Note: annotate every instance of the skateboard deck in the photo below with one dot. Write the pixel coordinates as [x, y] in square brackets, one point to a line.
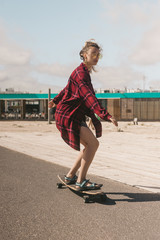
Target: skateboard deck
[87, 195]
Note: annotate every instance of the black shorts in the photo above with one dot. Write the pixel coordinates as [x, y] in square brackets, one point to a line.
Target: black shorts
[83, 124]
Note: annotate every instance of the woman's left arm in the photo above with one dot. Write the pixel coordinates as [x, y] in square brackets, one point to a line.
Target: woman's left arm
[91, 101]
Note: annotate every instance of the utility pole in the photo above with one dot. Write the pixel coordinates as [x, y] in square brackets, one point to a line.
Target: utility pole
[49, 99]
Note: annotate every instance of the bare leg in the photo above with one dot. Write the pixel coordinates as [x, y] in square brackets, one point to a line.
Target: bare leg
[76, 166]
[86, 156]
[91, 145]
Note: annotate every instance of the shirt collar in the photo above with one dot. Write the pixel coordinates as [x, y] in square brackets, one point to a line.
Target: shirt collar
[85, 67]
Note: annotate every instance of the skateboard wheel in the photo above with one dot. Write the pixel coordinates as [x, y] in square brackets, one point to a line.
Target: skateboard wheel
[59, 185]
[86, 199]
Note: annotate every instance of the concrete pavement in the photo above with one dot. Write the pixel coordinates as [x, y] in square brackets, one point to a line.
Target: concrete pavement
[131, 157]
[31, 207]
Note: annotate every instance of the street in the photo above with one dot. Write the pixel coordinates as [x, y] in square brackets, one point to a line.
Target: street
[31, 206]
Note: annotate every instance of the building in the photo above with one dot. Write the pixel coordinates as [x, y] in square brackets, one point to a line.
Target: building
[124, 106]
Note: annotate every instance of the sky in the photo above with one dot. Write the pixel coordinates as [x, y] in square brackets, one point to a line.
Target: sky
[40, 41]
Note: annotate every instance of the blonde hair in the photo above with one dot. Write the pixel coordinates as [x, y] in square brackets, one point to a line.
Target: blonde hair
[88, 44]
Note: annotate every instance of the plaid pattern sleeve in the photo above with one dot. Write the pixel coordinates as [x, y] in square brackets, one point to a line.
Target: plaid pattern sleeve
[87, 94]
[59, 97]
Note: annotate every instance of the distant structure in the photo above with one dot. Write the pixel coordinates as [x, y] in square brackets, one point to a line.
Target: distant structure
[124, 105]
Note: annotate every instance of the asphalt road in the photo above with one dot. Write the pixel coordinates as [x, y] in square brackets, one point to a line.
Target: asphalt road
[31, 206]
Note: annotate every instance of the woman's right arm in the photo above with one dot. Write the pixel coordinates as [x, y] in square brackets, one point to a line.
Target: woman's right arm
[56, 99]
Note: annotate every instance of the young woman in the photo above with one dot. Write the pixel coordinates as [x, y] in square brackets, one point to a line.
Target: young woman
[73, 103]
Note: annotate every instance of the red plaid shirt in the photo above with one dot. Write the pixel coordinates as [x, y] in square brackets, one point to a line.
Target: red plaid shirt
[75, 101]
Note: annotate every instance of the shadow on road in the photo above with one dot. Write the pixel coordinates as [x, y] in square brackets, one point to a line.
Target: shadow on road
[123, 197]
[135, 197]
[129, 197]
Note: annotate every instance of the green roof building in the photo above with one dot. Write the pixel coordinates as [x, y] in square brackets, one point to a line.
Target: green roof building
[124, 106]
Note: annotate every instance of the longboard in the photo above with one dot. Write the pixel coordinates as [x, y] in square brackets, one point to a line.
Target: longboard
[88, 196]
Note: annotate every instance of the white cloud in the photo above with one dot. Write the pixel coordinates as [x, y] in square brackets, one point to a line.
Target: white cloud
[10, 52]
[129, 12]
[106, 77]
[20, 79]
[139, 24]
[147, 52]
[16, 68]
[14, 55]
[117, 77]
[3, 75]
[56, 69]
